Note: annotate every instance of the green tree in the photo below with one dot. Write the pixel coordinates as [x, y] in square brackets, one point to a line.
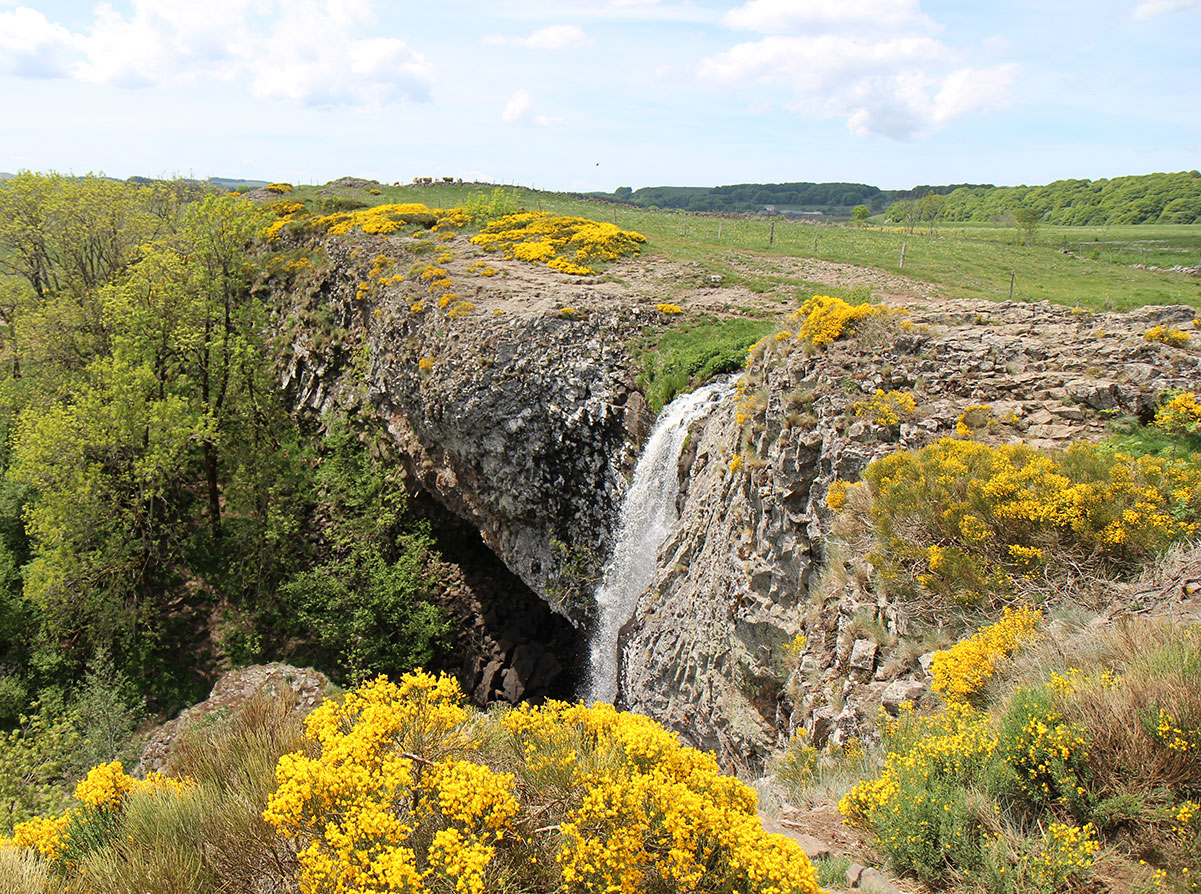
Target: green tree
[907, 212]
[186, 310]
[930, 209]
[109, 470]
[369, 600]
[116, 457]
[861, 213]
[64, 238]
[1028, 220]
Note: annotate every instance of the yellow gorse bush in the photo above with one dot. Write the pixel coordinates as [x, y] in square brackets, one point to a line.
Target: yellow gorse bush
[1051, 754]
[451, 219]
[563, 243]
[1177, 338]
[887, 408]
[1066, 852]
[973, 417]
[970, 513]
[952, 745]
[836, 497]
[377, 221]
[369, 806]
[963, 670]
[105, 789]
[41, 834]
[1180, 414]
[104, 786]
[403, 791]
[1176, 735]
[483, 268]
[650, 814]
[824, 318]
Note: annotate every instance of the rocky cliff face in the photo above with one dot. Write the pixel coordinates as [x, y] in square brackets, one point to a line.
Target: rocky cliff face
[520, 423]
[707, 651]
[523, 419]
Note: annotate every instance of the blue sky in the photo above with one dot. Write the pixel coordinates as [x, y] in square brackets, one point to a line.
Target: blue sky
[566, 94]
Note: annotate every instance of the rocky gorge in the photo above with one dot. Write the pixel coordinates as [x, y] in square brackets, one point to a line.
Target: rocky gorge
[524, 420]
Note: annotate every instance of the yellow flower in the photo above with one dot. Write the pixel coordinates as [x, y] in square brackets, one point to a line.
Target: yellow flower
[104, 786]
[887, 408]
[961, 671]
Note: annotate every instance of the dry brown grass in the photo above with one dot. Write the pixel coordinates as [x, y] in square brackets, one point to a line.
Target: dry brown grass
[233, 763]
[21, 872]
[1120, 676]
[1160, 665]
[158, 848]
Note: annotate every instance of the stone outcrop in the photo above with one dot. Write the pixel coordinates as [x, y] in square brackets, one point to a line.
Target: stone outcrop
[520, 424]
[300, 689]
[523, 419]
[707, 651]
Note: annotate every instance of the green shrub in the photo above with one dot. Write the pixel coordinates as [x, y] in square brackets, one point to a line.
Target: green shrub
[832, 871]
[929, 828]
[334, 204]
[485, 207]
[369, 601]
[1046, 755]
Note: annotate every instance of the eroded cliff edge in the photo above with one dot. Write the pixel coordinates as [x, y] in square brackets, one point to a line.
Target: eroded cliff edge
[520, 420]
[523, 418]
[708, 650]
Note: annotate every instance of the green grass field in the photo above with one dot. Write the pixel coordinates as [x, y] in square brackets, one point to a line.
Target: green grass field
[1094, 272]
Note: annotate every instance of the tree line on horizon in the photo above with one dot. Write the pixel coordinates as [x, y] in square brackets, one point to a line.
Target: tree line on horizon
[1166, 198]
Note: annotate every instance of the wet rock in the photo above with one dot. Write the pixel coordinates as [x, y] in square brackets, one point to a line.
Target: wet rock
[522, 428]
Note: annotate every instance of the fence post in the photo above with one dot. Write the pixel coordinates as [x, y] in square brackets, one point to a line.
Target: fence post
[901, 266]
[771, 239]
[1011, 278]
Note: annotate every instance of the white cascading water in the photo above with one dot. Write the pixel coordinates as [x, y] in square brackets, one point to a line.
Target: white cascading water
[647, 517]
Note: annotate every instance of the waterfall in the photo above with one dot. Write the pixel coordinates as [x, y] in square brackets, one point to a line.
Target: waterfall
[647, 517]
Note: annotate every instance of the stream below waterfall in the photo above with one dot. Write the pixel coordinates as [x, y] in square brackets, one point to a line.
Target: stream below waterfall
[648, 515]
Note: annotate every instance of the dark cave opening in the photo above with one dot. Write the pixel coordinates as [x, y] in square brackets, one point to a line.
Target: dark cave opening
[505, 645]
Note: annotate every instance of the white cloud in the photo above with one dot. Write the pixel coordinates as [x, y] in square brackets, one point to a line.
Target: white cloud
[519, 106]
[520, 110]
[32, 46]
[557, 37]
[552, 37]
[310, 52]
[615, 10]
[1149, 9]
[875, 63]
[803, 16]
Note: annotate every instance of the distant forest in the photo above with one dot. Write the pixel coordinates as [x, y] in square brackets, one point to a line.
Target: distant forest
[831, 198]
[1148, 198]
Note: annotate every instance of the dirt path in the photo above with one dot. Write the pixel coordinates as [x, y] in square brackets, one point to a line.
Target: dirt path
[529, 289]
